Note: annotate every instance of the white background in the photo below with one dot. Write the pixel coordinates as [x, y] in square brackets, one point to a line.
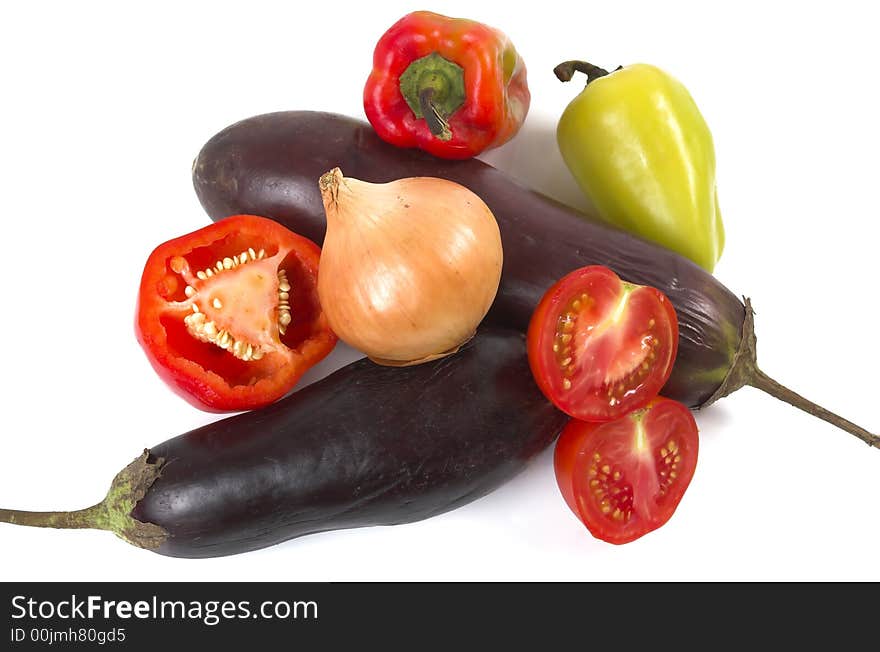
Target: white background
[105, 106]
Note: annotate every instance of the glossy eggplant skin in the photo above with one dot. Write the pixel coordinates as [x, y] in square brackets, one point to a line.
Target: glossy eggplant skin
[367, 445]
[270, 164]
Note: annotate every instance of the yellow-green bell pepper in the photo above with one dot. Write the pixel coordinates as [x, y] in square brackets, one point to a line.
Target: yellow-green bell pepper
[639, 148]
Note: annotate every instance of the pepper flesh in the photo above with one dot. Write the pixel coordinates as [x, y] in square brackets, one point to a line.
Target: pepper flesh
[450, 86]
[639, 148]
[229, 316]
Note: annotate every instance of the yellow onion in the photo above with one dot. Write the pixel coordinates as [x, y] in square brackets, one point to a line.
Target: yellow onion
[408, 268]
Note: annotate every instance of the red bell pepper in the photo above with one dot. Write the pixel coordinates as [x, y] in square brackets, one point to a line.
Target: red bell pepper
[450, 86]
[228, 315]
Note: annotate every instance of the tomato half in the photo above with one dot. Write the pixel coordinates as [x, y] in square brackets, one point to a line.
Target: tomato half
[229, 315]
[625, 478]
[600, 347]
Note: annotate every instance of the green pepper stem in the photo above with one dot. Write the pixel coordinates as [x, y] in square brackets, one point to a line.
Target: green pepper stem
[565, 71]
[436, 121]
[744, 371]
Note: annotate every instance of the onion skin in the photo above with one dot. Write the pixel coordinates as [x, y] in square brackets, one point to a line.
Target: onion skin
[408, 268]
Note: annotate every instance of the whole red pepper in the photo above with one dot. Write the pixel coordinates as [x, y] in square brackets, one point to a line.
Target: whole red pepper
[450, 86]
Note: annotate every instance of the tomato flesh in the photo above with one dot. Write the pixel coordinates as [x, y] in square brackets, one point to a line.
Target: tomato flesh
[599, 347]
[229, 315]
[625, 478]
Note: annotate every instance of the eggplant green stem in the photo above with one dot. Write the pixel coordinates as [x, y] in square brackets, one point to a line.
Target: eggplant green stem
[89, 518]
[744, 371]
[113, 513]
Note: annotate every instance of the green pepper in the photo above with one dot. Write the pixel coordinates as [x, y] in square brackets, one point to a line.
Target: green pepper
[640, 150]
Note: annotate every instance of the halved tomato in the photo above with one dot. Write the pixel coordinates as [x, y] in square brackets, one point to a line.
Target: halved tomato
[229, 315]
[600, 347]
[625, 478]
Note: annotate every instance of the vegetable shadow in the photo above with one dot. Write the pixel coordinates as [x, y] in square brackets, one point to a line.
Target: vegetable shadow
[532, 158]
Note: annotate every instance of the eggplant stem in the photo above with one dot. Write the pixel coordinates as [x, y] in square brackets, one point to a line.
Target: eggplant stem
[113, 513]
[762, 381]
[80, 519]
[745, 371]
[436, 122]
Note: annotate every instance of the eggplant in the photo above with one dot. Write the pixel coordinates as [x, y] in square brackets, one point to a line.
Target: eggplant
[366, 445]
[270, 164]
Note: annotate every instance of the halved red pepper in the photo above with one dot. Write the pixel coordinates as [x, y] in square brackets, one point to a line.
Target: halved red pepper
[450, 86]
[228, 315]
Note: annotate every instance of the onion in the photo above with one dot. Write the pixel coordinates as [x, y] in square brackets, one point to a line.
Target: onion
[408, 268]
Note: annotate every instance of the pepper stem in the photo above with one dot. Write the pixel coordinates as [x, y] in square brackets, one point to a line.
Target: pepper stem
[112, 514]
[745, 371]
[565, 71]
[436, 121]
[433, 88]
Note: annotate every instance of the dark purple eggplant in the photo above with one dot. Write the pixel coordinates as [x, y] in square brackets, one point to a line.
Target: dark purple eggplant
[367, 445]
[269, 165]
